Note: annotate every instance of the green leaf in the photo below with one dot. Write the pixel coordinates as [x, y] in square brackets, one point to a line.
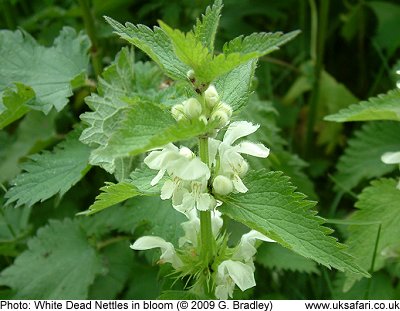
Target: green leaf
[388, 15]
[112, 194]
[190, 50]
[51, 72]
[34, 132]
[382, 107]
[235, 87]
[59, 264]
[49, 173]
[273, 256]
[378, 203]
[138, 132]
[141, 178]
[206, 28]
[155, 43]
[180, 295]
[157, 217]
[273, 208]
[14, 226]
[362, 158]
[15, 103]
[117, 259]
[123, 84]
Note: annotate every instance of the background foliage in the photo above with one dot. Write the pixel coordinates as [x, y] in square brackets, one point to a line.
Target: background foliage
[350, 55]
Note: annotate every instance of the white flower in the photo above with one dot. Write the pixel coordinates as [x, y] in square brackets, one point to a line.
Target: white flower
[198, 197]
[168, 253]
[192, 108]
[232, 164]
[392, 158]
[192, 227]
[232, 272]
[181, 163]
[398, 82]
[246, 249]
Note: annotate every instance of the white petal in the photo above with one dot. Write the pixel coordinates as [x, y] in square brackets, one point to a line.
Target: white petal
[256, 150]
[157, 159]
[391, 157]
[241, 274]
[216, 222]
[223, 291]
[149, 242]
[191, 229]
[158, 177]
[188, 203]
[246, 248]
[398, 84]
[204, 202]
[167, 190]
[239, 185]
[167, 249]
[213, 145]
[237, 130]
[188, 169]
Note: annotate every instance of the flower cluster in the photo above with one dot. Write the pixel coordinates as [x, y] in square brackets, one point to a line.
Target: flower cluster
[197, 184]
[188, 177]
[238, 270]
[207, 108]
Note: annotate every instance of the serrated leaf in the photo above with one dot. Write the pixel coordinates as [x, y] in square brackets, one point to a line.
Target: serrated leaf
[206, 28]
[155, 43]
[236, 52]
[158, 217]
[139, 133]
[382, 107]
[378, 203]
[273, 208]
[123, 84]
[59, 264]
[274, 256]
[142, 177]
[235, 87]
[362, 158]
[49, 173]
[34, 132]
[49, 71]
[112, 194]
[15, 103]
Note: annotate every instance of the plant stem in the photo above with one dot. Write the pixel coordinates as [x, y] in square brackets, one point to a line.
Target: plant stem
[95, 51]
[206, 236]
[318, 29]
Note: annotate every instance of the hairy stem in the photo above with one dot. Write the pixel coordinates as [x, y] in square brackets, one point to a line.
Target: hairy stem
[91, 31]
[206, 236]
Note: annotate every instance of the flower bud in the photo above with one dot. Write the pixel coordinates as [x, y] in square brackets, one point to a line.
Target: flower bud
[177, 112]
[225, 108]
[221, 117]
[211, 96]
[192, 108]
[222, 185]
[190, 75]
